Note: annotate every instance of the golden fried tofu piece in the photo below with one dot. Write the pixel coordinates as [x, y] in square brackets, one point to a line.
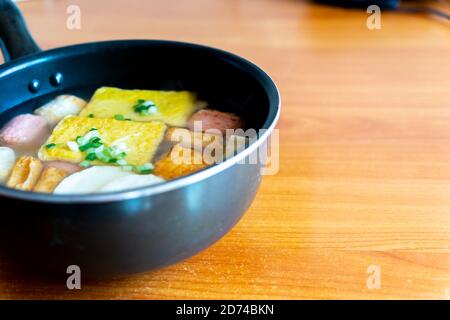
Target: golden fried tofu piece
[172, 107]
[140, 138]
[194, 140]
[25, 173]
[179, 162]
[49, 180]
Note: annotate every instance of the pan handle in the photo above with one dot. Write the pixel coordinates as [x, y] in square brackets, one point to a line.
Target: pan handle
[15, 39]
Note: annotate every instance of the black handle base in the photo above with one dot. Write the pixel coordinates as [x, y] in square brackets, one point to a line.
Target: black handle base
[15, 39]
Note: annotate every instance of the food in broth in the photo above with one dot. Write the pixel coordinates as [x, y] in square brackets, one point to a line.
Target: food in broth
[119, 140]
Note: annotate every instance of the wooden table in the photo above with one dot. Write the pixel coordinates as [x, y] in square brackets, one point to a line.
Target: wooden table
[364, 174]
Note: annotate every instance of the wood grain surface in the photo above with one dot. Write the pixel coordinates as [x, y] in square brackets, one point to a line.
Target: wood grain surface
[364, 159]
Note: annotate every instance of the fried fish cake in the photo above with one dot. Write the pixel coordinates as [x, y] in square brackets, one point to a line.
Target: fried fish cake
[60, 107]
[49, 180]
[25, 173]
[179, 162]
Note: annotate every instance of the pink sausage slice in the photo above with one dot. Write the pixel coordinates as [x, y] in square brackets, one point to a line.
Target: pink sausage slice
[213, 119]
[25, 131]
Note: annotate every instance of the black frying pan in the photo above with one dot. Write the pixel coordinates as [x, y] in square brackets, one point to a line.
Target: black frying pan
[137, 230]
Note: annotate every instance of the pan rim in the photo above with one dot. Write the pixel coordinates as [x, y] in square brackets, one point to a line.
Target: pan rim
[256, 72]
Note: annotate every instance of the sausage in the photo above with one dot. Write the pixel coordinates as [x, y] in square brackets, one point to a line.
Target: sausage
[179, 162]
[214, 119]
[24, 132]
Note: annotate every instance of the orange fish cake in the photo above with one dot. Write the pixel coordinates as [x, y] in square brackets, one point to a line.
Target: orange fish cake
[179, 162]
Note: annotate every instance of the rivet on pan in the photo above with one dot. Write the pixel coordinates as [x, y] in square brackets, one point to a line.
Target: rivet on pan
[56, 79]
[34, 86]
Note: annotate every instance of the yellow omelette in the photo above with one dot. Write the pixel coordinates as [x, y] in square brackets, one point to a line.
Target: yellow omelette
[171, 107]
[140, 138]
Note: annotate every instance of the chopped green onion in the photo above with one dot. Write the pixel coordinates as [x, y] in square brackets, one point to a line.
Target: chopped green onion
[145, 169]
[99, 149]
[86, 146]
[91, 157]
[145, 107]
[108, 152]
[119, 117]
[97, 142]
[73, 146]
[91, 134]
[94, 142]
[92, 146]
[50, 145]
[101, 156]
[151, 110]
[85, 163]
[91, 115]
[81, 140]
[121, 155]
[122, 162]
